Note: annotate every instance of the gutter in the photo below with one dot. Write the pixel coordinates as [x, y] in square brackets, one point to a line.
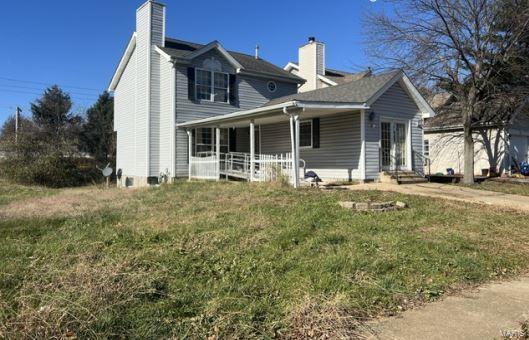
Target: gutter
[240, 115]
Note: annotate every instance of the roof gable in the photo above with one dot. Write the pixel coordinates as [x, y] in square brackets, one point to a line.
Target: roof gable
[131, 46]
[359, 91]
[364, 91]
[217, 46]
[183, 50]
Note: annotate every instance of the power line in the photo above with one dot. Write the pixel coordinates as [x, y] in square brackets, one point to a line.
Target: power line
[40, 94]
[48, 84]
[41, 89]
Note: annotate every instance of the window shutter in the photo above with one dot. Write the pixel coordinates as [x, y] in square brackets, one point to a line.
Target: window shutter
[316, 133]
[233, 140]
[191, 83]
[233, 89]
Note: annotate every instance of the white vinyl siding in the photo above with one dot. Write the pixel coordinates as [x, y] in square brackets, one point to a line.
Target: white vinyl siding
[143, 60]
[166, 120]
[124, 118]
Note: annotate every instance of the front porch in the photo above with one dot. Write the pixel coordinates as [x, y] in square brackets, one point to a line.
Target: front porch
[238, 165]
[279, 142]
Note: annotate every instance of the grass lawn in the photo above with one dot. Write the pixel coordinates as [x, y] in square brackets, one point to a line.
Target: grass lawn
[503, 187]
[11, 192]
[232, 260]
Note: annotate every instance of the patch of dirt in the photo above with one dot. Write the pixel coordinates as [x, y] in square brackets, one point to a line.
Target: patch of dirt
[325, 319]
[70, 202]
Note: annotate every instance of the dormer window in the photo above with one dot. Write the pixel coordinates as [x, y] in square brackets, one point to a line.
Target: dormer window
[212, 86]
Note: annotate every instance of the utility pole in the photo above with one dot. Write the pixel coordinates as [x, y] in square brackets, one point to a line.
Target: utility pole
[17, 119]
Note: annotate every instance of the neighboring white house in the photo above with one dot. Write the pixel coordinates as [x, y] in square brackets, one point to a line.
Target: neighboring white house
[443, 139]
[185, 109]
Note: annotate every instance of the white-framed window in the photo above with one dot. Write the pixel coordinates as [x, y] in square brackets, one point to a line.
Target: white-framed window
[305, 134]
[426, 148]
[212, 86]
[205, 140]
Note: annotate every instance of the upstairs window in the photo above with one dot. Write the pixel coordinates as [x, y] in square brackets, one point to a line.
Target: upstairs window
[203, 85]
[212, 86]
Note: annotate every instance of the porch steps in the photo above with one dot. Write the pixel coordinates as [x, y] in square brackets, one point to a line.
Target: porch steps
[404, 177]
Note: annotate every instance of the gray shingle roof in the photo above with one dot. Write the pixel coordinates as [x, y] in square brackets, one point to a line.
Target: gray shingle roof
[357, 91]
[181, 49]
[341, 77]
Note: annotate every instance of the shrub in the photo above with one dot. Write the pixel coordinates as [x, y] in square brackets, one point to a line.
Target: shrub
[32, 163]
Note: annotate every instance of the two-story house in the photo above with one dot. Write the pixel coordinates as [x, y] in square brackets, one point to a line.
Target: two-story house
[185, 109]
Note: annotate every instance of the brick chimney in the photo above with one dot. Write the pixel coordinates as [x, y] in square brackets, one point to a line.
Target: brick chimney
[311, 64]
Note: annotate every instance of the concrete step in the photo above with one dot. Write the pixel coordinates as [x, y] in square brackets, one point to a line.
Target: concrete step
[412, 180]
[404, 177]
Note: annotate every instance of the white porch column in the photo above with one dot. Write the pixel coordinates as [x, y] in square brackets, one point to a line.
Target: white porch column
[293, 149]
[252, 149]
[217, 151]
[296, 158]
[189, 152]
[362, 162]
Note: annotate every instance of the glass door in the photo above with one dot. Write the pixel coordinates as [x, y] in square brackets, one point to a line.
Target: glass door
[393, 148]
[385, 145]
[400, 144]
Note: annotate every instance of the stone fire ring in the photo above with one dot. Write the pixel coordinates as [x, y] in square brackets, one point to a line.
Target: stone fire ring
[374, 206]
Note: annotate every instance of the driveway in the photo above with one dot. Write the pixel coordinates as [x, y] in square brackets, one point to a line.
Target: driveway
[490, 312]
[453, 192]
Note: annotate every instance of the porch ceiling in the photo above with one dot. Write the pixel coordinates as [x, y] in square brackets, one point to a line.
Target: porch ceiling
[272, 114]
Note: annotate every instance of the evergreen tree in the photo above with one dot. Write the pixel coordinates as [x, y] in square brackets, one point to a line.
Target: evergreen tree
[52, 116]
[98, 131]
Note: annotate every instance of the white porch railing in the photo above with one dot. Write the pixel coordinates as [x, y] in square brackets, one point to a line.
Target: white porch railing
[267, 168]
[272, 168]
[204, 166]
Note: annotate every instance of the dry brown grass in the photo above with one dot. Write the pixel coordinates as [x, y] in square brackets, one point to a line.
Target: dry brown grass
[53, 302]
[230, 260]
[69, 202]
[325, 319]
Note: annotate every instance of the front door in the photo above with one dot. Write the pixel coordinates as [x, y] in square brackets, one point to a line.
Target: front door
[393, 148]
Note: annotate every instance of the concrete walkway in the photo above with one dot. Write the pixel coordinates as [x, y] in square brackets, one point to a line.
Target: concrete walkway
[453, 192]
[490, 312]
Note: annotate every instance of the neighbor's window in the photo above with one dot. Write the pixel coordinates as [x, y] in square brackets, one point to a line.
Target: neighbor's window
[305, 134]
[426, 148]
[212, 86]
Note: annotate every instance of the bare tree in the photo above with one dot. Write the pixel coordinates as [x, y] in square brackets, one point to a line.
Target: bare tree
[473, 49]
